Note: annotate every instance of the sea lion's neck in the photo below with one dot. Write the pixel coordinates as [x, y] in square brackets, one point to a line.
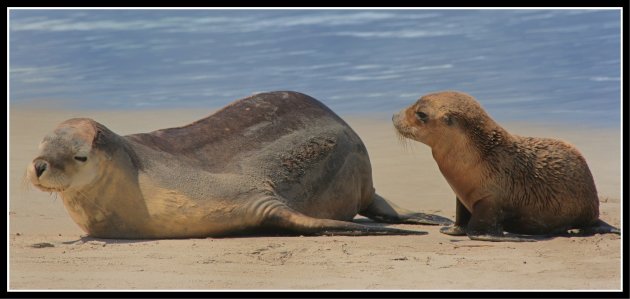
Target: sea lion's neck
[456, 159]
[111, 203]
[461, 166]
[464, 159]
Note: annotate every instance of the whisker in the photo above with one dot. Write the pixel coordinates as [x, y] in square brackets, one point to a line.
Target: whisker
[57, 181]
[402, 140]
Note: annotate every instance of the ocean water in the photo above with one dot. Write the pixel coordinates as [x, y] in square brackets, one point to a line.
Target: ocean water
[541, 65]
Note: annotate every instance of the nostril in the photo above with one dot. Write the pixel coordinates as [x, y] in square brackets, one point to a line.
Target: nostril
[40, 167]
[394, 117]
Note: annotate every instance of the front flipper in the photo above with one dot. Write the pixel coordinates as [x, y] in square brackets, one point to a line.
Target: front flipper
[454, 230]
[385, 211]
[277, 215]
[485, 225]
[462, 217]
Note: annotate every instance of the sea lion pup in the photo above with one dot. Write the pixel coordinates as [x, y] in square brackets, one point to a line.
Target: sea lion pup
[523, 185]
[277, 161]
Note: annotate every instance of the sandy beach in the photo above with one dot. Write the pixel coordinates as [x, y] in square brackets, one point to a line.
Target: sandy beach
[405, 174]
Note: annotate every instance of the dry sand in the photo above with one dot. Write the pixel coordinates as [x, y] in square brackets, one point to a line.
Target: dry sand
[408, 177]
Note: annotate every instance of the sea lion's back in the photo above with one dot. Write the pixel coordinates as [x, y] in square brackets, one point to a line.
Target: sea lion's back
[245, 125]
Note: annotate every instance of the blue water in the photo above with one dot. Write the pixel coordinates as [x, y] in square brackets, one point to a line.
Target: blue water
[521, 64]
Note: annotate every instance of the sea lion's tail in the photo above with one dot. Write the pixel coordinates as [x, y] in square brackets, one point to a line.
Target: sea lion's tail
[288, 219]
[382, 210]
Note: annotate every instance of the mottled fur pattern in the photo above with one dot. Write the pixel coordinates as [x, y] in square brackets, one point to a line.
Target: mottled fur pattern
[299, 160]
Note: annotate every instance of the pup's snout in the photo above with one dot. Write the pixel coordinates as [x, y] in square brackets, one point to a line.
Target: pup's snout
[394, 116]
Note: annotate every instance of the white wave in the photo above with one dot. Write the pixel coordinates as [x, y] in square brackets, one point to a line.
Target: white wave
[326, 19]
[197, 24]
[367, 67]
[205, 77]
[198, 61]
[397, 34]
[576, 28]
[32, 74]
[304, 52]
[375, 95]
[599, 79]
[435, 67]
[539, 15]
[72, 25]
[116, 46]
[368, 78]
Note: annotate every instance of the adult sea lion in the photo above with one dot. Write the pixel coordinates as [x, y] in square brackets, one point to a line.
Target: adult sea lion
[522, 185]
[276, 161]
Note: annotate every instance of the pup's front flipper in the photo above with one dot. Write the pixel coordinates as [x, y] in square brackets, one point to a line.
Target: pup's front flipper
[485, 225]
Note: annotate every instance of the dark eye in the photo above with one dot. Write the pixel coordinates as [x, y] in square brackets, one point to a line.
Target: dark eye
[82, 159]
[423, 117]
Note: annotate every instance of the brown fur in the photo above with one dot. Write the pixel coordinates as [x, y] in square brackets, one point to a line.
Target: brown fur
[527, 185]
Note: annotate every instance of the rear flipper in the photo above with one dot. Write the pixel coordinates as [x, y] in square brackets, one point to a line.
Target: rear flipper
[492, 236]
[506, 238]
[599, 227]
[485, 225]
[288, 219]
[385, 211]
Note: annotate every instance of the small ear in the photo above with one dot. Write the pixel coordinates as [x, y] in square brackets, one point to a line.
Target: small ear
[104, 141]
[448, 120]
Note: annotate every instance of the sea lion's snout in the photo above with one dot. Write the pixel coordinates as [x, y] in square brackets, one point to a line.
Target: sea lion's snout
[43, 175]
[40, 166]
[402, 126]
[396, 120]
[418, 122]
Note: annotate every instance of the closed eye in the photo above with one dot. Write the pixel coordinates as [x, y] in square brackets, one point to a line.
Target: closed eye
[79, 158]
[423, 117]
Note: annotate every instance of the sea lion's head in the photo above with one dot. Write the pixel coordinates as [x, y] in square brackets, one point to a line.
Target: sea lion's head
[71, 156]
[439, 116]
